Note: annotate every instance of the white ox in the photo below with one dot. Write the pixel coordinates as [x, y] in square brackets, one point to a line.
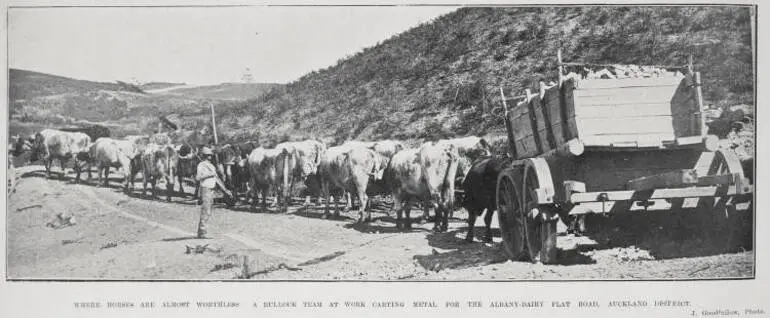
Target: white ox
[50, 144]
[349, 168]
[107, 152]
[427, 175]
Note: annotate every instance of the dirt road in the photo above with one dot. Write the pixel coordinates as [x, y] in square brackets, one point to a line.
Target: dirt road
[119, 236]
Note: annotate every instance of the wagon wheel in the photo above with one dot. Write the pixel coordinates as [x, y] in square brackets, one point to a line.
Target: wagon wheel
[720, 220]
[509, 215]
[540, 229]
[526, 234]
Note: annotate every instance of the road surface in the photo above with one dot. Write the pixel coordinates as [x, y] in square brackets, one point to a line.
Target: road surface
[117, 236]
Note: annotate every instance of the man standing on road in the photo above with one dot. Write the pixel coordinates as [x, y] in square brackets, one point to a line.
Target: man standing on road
[207, 178]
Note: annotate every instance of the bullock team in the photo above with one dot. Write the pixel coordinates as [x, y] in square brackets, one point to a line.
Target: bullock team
[426, 174]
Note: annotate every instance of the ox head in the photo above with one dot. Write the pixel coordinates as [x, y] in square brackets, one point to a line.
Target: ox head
[38, 146]
[306, 162]
[479, 149]
[308, 158]
[379, 166]
[20, 145]
[386, 149]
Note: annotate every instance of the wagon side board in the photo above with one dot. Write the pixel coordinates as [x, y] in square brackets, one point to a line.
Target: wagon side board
[632, 112]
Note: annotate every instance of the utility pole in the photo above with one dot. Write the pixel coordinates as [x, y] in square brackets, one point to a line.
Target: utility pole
[214, 123]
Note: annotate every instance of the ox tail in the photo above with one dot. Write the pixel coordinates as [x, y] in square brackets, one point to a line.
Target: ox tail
[449, 177]
[168, 166]
[286, 171]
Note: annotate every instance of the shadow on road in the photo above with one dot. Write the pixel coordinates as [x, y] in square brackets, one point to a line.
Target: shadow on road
[572, 257]
[376, 227]
[667, 234]
[182, 238]
[462, 254]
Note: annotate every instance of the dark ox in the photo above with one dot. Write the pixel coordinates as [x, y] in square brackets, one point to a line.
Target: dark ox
[480, 187]
[269, 168]
[226, 159]
[187, 166]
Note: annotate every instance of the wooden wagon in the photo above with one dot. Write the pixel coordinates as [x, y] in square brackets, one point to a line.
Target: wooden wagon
[605, 145]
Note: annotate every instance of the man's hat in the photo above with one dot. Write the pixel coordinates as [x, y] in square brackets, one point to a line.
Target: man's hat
[206, 151]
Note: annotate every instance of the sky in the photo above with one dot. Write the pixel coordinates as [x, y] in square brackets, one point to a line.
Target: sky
[199, 45]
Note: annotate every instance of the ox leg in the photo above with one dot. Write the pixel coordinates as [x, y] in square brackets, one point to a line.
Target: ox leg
[152, 188]
[106, 176]
[438, 217]
[336, 206]
[488, 225]
[326, 194]
[180, 179]
[363, 198]
[253, 194]
[472, 214]
[397, 206]
[144, 183]
[348, 201]
[425, 212]
[128, 179]
[265, 190]
[169, 188]
[47, 164]
[77, 169]
[407, 208]
[63, 172]
[99, 169]
[445, 216]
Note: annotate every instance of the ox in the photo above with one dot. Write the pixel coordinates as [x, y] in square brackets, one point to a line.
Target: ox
[385, 149]
[349, 169]
[269, 168]
[425, 174]
[94, 132]
[159, 162]
[107, 152]
[51, 144]
[187, 166]
[226, 158]
[306, 157]
[470, 149]
[480, 190]
[139, 144]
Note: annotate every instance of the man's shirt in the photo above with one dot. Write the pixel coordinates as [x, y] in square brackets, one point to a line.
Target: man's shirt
[206, 174]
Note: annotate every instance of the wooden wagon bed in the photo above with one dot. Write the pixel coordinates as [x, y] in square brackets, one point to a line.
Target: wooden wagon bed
[599, 145]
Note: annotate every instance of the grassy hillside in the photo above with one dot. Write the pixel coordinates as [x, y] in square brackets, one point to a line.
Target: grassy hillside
[159, 85]
[439, 79]
[224, 91]
[44, 100]
[442, 78]
[25, 85]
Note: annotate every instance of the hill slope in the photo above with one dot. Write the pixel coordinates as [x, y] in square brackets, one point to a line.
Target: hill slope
[224, 91]
[45, 100]
[442, 78]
